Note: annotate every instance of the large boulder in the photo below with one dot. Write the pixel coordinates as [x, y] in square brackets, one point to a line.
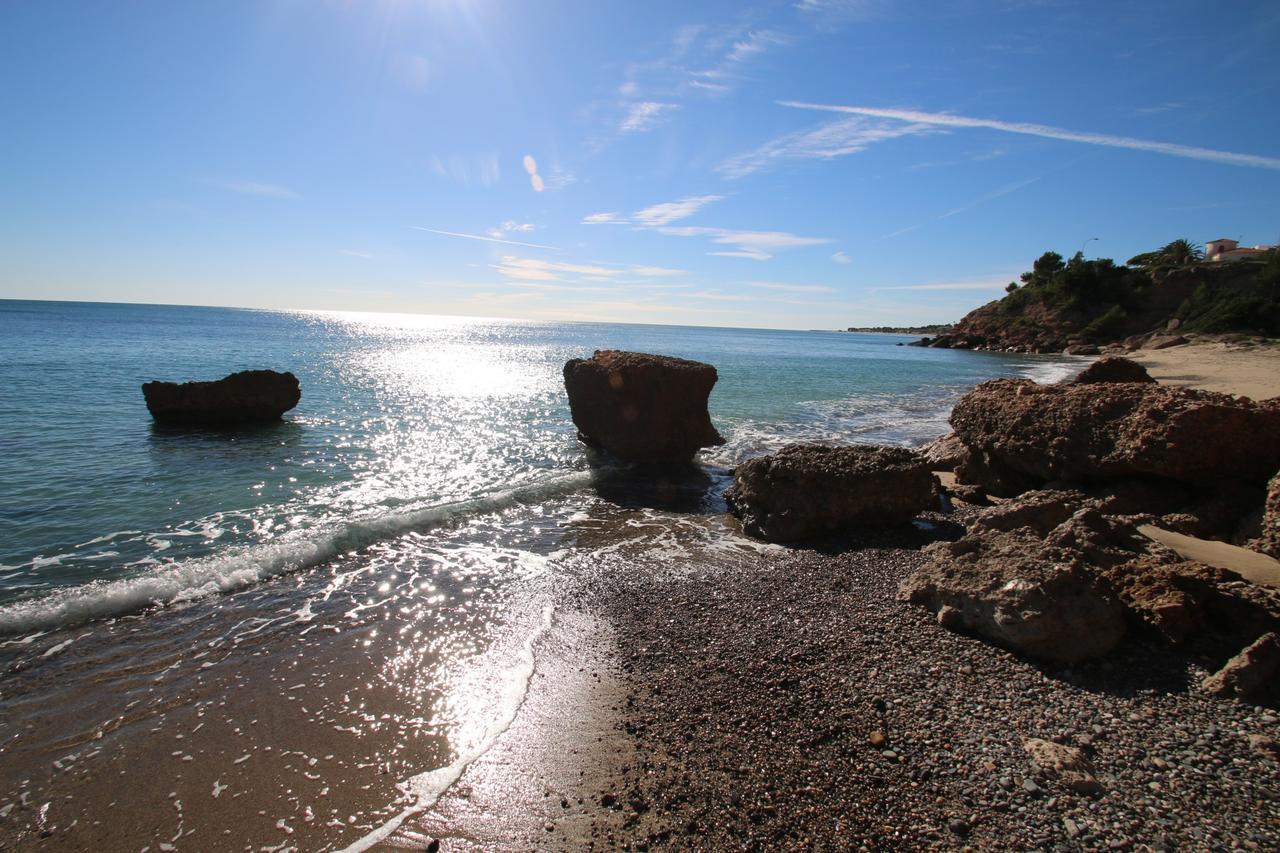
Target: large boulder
[247, 397]
[650, 409]
[1021, 434]
[808, 490]
[1049, 575]
[1114, 368]
[1013, 589]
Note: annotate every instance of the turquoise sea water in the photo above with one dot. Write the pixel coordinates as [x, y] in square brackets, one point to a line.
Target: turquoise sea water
[406, 422]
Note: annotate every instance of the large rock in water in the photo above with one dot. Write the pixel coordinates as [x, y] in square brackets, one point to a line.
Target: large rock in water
[808, 490]
[250, 396]
[1021, 434]
[642, 408]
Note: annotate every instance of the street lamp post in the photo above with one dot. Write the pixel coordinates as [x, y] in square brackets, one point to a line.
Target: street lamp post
[1085, 243]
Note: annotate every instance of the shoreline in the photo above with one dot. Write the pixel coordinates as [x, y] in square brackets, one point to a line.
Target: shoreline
[1252, 372]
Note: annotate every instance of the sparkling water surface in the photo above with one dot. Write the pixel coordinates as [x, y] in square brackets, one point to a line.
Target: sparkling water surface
[406, 421]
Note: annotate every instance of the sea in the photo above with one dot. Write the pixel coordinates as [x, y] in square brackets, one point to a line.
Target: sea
[300, 635]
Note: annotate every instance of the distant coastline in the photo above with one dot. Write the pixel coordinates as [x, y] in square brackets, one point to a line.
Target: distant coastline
[937, 329]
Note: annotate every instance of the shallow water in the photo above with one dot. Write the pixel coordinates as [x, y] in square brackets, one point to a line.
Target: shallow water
[285, 633]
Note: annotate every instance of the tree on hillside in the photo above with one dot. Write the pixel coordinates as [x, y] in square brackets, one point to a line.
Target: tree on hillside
[1181, 253]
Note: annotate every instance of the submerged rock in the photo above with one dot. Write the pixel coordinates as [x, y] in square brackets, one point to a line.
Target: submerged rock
[642, 408]
[1021, 435]
[1114, 368]
[808, 490]
[250, 396]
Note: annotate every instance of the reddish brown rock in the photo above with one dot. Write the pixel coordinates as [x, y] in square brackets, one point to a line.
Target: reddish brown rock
[1183, 600]
[945, 452]
[1253, 674]
[1019, 581]
[1165, 341]
[1269, 543]
[1021, 434]
[808, 490]
[642, 408]
[1065, 763]
[1114, 369]
[250, 396]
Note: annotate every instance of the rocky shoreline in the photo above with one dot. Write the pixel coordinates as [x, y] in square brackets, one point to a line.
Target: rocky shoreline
[1063, 686]
[797, 705]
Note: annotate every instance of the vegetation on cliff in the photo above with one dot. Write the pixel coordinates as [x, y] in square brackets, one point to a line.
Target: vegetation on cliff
[1059, 303]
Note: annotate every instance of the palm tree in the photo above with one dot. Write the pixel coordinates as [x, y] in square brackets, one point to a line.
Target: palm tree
[1181, 253]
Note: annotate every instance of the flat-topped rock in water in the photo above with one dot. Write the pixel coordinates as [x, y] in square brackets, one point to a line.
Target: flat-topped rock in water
[644, 408]
[1114, 368]
[247, 397]
[808, 490]
[1021, 434]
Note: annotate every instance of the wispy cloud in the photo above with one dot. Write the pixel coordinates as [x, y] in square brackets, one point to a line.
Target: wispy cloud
[967, 284]
[604, 219]
[994, 194]
[656, 214]
[745, 253]
[511, 227]
[792, 288]
[259, 189]
[539, 270]
[673, 211]
[483, 237]
[947, 120]
[841, 258]
[834, 139]
[755, 43]
[1160, 108]
[645, 115]
[354, 253]
[758, 245]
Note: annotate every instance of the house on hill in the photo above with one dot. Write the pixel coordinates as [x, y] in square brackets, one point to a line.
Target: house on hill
[1225, 249]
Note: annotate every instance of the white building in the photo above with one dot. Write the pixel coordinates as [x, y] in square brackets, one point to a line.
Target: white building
[1225, 249]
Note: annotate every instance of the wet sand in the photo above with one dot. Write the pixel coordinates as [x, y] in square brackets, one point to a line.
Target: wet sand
[1227, 368]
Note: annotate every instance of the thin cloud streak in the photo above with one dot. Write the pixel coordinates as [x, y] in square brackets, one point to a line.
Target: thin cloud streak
[833, 139]
[484, 238]
[1046, 131]
[259, 189]
[672, 211]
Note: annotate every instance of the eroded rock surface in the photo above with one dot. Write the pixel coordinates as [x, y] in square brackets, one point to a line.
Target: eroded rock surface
[1252, 674]
[250, 396]
[644, 408]
[807, 490]
[1021, 435]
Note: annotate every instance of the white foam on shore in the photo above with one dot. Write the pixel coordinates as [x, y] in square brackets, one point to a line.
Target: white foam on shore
[1053, 372]
[427, 788]
[198, 577]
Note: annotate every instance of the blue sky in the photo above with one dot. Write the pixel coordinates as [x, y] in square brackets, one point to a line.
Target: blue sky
[811, 164]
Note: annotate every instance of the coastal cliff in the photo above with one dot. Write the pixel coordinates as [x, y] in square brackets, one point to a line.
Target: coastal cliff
[1078, 305]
